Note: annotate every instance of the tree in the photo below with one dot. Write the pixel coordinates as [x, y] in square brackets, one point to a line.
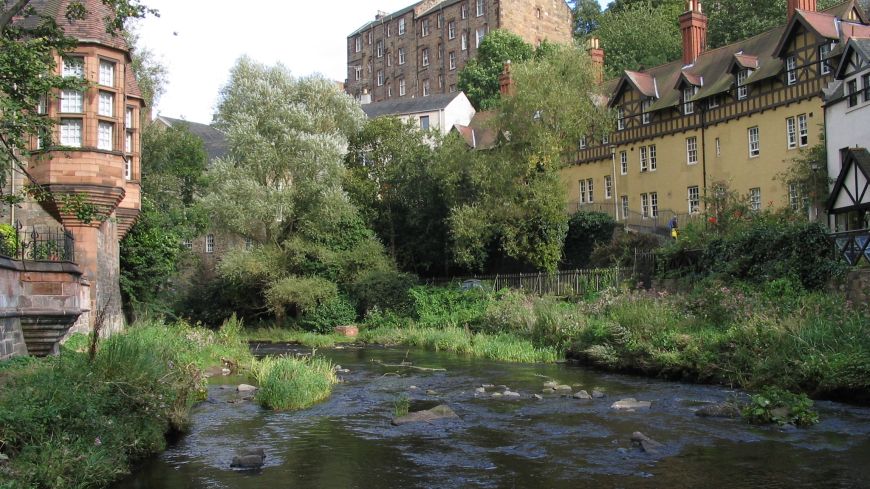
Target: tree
[587, 14]
[807, 179]
[756, 17]
[27, 72]
[639, 35]
[280, 186]
[586, 230]
[479, 78]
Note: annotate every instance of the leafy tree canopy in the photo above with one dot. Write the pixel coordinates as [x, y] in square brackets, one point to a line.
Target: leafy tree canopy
[755, 18]
[587, 14]
[639, 35]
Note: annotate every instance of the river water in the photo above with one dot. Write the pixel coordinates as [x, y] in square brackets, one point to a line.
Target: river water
[348, 441]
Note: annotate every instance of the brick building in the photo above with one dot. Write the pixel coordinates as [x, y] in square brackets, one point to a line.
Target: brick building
[418, 51]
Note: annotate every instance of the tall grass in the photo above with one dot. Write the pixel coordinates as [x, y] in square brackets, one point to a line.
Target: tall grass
[288, 382]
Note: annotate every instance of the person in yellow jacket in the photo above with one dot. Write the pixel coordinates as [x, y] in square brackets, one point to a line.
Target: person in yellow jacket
[673, 226]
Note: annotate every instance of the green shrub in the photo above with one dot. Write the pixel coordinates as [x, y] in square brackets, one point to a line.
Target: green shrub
[293, 383]
[620, 250]
[774, 405]
[296, 295]
[337, 311]
[385, 290]
[513, 312]
[585, 231]
[8, 240]
[442, 307]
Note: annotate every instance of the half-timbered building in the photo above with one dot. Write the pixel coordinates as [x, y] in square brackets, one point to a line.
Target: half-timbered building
[734, 115]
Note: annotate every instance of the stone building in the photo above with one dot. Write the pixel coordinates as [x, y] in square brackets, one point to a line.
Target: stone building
[419, 50]
[92, 155]
[734, 115]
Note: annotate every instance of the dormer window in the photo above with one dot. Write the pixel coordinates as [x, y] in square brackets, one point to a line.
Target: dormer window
[742, 89]
[713, 102]
[644, 107]
[688, 105]
[620, 118]
[824, 52]
[791, 70]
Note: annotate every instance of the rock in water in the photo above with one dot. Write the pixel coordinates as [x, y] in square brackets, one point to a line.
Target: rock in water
[582, 395]
[249, 458]
[563, 388]
[646, 443]
[722, 410]
[630, 404]
[438, 412]
[551, 385]
[596, 394]
[245, 388]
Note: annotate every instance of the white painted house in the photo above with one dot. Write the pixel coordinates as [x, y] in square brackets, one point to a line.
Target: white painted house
[847, 134]
[435, 112]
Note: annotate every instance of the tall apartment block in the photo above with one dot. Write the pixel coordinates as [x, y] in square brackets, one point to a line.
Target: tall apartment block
[419, 50]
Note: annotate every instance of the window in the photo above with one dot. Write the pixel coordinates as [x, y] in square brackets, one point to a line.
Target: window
[688, 105]
[866, 79]
[451, 29]
[608, 187]
[791, 132]
[388, 30]
[755, 199]
[644, 205]
[128, 118]
[188, 244]
[128, 169]
[713, 102]
[583, 142]
[380, 78]
[71, 133]
[71, 101]
[401, 56]
[107, 104]
[74, 67]
[852, 92]
[452, 60]
[440, 20]
[623, 163]
[440, 81]
[357, 44]
[380, 48]
[425, 56]
[479, 8]
[653, 161]
[424, 122]
[803, 130]
[589, 197]
[794, 201]
[620, 118]
[464, 41]
[694, 200]
[654, 204]
[824, 52]
[389, 59]
[402, 87]
[452, 88]
[426, 87]
[42, 105]
[209, 243]
[624, 200]
[105, 132]
[605, 139]
[401, 27]
[742, 89]
[692, 150]
[754, 143]
[644, 107]
[389, 90]
[128, 142]
[107, 73]
[791, 70]
[644, 159]
[481, 33]
[718, 147]
[463, 11]
[424, 27]
[582, 191]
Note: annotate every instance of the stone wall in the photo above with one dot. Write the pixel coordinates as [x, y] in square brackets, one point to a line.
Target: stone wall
[857, 286]
[538, 20]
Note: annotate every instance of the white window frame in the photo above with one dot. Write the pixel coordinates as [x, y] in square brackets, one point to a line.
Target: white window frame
[105, 135]
[713, 102]
[451, 29]
[653, 158]
[73, 67]
[380, 78]
[582, 191]
[754, 142]
[380, 48]
[402, 26]
[402, 87]
[480, 33]
[128, 117]
[187, 244]
[644, 159]
[209, 243]
[824, 51]
[688, 105]
[401, 56]
[791, 133]
[426, 88]
[106, 106]
[654, 204]
[623, 163]
[620, 118]
[590, 195]
[357, 44]
[463, 11]
[424, 27]
[128, 169]
[791, 70]
[107, 73]
[71, 131]
[389, 90]
[464, 41]
[645, 114]
[793, 197]
[718, 147]
[742, 88]
[128, 142]
[72, 102]
[644, 206]
[694, 199]
[624, 205]
[480, 8]
[425, 123]
[357, 72]
[605, 139]
[755, 199]
[692, 150]
[583, 142]
[608, 187]
[452, 60]
[803, 130]
[425, 56]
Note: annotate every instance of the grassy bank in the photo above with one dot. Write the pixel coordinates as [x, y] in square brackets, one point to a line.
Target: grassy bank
[69, 421]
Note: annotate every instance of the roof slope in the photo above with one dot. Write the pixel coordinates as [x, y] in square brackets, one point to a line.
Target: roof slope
[410, 105]
[215, 142]
[91, 28]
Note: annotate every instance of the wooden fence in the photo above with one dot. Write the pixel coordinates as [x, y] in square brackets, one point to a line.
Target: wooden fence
[562, 283]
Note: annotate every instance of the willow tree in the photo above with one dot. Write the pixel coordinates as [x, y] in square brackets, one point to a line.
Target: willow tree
[280, 187]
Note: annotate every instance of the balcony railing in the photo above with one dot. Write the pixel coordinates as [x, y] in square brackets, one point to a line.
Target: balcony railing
[39, 244]
[853, 246]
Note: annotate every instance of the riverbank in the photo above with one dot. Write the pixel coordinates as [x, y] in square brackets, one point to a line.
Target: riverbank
[72, 421]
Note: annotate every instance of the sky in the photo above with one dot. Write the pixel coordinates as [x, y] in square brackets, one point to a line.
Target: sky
[199, 41]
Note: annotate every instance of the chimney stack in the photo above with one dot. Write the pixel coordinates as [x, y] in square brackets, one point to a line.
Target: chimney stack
[693, 25]
[596, 54]
[505, 80]
[380, 15]
[806, 5]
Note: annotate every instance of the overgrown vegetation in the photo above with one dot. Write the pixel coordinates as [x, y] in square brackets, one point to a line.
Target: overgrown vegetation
[288, 382]
[774, 405]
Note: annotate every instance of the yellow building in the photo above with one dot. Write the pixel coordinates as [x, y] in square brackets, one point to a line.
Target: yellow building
[737, 115]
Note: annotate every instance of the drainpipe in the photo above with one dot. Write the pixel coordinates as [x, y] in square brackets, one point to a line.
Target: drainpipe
[615, 192]
[704, 153]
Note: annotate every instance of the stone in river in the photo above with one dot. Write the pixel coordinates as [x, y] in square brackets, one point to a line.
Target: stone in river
[721, 410]
[480, 390]
[630, 404]
[646, 443]
[436, 413]
[582, 395]
[249, 458]
[596, 394]
[551, 384]
[563, 388]
[245, 388]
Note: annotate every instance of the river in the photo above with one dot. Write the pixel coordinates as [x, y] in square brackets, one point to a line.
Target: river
[556, 442]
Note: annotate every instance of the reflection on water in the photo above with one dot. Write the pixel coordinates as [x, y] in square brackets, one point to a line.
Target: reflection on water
[348, 442]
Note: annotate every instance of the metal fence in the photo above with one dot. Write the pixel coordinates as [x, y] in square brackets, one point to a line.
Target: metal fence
[561, 283]
[658, 224]
[38, 244]
[853, 246]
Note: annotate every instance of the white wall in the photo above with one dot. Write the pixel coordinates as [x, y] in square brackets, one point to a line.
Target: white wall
[846, 126]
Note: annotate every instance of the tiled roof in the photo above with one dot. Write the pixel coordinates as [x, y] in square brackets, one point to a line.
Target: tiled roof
[215, 142]
[479, 133]
[132, 86]
[91, 28]
[409, 105]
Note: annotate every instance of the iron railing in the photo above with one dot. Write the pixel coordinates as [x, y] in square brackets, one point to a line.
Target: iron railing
[38, 244]
[658, 224]
[561, 283]
[853, 246]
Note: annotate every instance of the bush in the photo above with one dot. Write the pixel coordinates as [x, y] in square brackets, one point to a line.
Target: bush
[295, 295]
[778, 406]
[293, 383]
[586, 230]
[441, 307]
[337, 311]
[8, 240]
[620, 250]
[385, 290]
